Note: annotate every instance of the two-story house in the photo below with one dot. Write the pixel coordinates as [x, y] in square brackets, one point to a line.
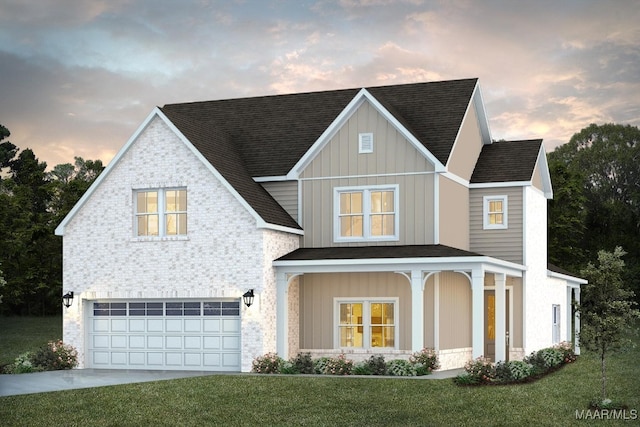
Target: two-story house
[380, 220]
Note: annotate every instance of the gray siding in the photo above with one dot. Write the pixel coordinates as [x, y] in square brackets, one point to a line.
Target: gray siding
[285, 193]
[505, 244]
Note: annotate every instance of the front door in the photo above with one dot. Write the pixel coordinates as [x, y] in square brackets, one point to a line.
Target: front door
[490, 324]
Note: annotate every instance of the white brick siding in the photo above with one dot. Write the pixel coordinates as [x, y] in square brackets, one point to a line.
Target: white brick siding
[224, 254]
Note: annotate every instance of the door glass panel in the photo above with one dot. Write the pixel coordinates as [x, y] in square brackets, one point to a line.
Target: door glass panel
[491, 317]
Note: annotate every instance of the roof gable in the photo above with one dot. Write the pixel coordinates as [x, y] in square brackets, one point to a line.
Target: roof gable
[268, 213]
[512, 161]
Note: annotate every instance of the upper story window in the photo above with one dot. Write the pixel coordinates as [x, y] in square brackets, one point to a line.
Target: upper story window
[366, 213]
[161, 212]
[495, 212]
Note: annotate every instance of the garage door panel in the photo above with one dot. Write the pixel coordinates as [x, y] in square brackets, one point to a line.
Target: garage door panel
[136, 325]
[174, 325]
[211, 325]
[118, 341]
[155, 342]
[211, 343]
[192, 325]
[155, 325]
[100, 325]
[119, 325]
[165, 335]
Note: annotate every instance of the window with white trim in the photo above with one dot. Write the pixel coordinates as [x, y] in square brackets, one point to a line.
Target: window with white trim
[495, 212]
[555, 322]
[161, 212]
[366, 213]
[366, 323]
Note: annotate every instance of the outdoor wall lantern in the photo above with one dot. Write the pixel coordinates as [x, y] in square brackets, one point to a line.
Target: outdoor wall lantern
[248, 298]
[67, 299]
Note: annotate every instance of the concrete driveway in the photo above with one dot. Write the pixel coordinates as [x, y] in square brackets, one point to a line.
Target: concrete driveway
[40, 382]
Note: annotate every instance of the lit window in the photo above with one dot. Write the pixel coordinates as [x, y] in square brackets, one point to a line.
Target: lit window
[366, 324]
[366, 213]
[495, 212]
[161, 212]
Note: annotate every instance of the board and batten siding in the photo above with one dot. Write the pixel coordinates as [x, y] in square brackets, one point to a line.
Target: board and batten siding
[286, 194]
[317, 304]
[506, 244]
[394, 161]
[454, 311]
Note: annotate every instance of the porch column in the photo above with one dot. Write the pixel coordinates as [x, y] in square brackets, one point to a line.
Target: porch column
[282, 315]
[417, 311]
[501, 314]
[576, 323]
[477, 312]
[569, 317]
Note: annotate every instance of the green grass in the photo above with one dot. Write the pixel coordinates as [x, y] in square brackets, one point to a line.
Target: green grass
[333, 401]
[22, 334]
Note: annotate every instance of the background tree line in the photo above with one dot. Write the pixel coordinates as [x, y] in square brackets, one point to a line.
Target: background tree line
[33, 201]
[596, 199]
[596, 206]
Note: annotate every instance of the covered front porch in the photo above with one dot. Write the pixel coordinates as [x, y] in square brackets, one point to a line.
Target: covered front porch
[438, 295]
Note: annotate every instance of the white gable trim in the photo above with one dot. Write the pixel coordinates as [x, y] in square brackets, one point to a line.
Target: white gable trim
[342, 118]
[59, 231]
[571, 279]
[544, 171]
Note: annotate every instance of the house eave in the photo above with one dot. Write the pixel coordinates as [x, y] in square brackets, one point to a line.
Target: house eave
[574, 280]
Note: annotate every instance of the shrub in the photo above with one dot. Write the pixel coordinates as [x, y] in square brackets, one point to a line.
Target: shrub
[377, 365]
[288, 368]
[401, 368]
[335, 366]
[514, 370]
[303, 363]
[270, 363]
[361, 368]
[55, 356]
[568, 354]
[425, 360]
[552, 357]
[481, 369]
[465, 379]
[21, 365]
[319, 365]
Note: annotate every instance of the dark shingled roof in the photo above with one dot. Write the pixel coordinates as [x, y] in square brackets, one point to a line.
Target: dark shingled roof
[376, 252]
[559, 270]
[507, 161]
[246, 138]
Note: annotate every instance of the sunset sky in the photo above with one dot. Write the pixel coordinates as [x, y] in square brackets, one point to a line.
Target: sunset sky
[78, 77]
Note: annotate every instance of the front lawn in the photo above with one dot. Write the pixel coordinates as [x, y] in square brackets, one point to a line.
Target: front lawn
[21, 334]
[326, 400]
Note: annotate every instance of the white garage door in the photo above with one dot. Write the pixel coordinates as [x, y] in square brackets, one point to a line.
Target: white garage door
[166, 335]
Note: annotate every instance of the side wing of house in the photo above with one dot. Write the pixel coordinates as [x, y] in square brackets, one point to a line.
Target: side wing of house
[158, 255]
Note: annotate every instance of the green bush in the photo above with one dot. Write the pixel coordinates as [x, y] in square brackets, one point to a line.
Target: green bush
[334, 365]
[303, 363]
[377, 365]
[401, 368]
[21, 365]
[426, 361]
[481, 369]
[361, 368]
[513, 370]
[55, 356]
[270, 363]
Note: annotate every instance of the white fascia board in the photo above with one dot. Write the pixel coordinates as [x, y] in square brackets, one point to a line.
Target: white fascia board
[570, 279]
[482, 114]
[502, 184]
[271, 178]
[544, 170]
[488, 264]
[263, 224]
[59, 231]
[455, 178]
[342, 118]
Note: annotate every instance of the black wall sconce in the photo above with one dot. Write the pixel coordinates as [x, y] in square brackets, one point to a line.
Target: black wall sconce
[67, 299]
[248, 298]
